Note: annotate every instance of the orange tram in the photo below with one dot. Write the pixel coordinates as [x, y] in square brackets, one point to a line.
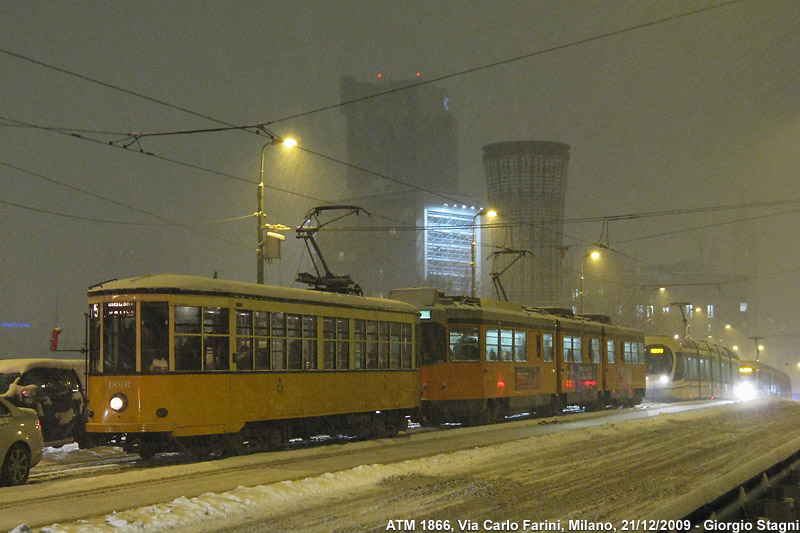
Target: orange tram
[206, 366]
[484, 359]
[212, 367]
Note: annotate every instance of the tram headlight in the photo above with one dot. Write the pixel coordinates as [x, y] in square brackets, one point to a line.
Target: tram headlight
[664, 379]
[745, 391]
[118, 402]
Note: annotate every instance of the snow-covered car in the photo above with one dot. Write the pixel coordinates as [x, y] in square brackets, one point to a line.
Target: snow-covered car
[51, 387]
[20, 442]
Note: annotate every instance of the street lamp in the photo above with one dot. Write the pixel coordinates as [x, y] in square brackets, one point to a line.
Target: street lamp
[260, 213]
[491, 213]
[595, 255]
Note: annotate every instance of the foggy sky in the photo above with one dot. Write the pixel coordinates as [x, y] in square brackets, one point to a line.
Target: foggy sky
[689, 113]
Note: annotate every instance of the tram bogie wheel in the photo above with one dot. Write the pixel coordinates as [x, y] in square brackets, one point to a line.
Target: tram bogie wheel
[276, 438]
[219, 447]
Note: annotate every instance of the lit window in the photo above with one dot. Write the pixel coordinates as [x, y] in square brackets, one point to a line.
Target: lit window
[710, 310]
[743, 307]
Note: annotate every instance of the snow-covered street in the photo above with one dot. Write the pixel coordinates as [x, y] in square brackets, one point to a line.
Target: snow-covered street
[617, 466]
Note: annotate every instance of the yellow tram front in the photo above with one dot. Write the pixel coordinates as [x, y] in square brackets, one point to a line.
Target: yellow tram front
[175, 359]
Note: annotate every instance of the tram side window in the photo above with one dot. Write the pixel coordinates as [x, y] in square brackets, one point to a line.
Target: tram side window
[628, 351]
[680, 367]
[201, 338]
[309, 342]
[372, 344]
[119, 337]
[294, 332]
[705, 369]
[360, 344]
[278, 321]
[216, 338]
[547, 347]
[336, 348]
[492, 344]
[252, 340]
[506, 344]
[611, 351]
[188, 339]
[406, 346]
[244, 340]
[383, 345]
[155, 337]
[395, 348]
[261, 340]
[572, 349]
[640, 353]
[464, 344]
[594, 349]
[520, 346]
[692, 373]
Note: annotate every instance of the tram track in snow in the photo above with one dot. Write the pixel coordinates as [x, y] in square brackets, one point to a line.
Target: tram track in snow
[140, 483]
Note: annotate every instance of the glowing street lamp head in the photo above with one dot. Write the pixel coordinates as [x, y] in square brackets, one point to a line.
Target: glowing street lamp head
[491, 213]
[595, 254]
[289, 142]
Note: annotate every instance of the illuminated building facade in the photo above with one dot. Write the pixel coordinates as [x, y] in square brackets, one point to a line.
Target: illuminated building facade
[410, 137]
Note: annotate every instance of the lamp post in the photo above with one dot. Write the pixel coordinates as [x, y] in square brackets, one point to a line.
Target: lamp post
[594, 254]
[260, 213]
[491, 213]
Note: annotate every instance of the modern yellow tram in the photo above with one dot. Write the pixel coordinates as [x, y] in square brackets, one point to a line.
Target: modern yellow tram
[759, 380]
[207, 366]
[485, 359]
[685, 369]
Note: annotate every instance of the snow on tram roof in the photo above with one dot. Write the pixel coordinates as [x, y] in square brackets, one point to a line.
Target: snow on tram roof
[200, 285]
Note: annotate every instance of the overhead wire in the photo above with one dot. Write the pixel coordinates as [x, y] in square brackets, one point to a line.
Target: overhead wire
[356, 100]
[134, 138]
[105, 199]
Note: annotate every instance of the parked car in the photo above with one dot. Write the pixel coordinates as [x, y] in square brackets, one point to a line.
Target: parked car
[54, 389]
[20, 442]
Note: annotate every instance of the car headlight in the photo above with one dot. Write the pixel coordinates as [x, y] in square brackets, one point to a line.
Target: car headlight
[118, 402]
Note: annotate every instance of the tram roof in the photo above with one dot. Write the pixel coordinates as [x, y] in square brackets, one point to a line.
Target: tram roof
[185, 284]
[502, 311]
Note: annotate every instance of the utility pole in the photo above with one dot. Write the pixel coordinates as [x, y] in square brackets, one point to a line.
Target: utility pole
[274, 139]
[758, 347]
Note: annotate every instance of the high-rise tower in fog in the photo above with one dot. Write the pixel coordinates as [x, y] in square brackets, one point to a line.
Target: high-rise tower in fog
[526, 182]
[409, 136]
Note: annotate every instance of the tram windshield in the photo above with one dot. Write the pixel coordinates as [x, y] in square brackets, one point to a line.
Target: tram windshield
[116, 347]
[658, 360]
[119, 337]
